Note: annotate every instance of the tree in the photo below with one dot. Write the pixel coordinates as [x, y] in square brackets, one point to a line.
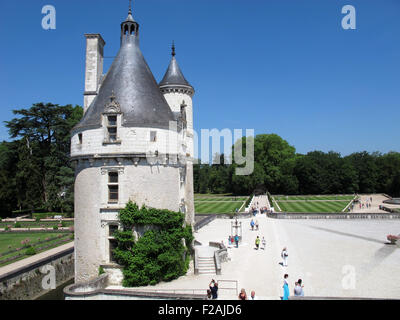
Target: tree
[44, 176]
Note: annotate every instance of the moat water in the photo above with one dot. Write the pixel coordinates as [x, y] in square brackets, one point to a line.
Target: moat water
[57, 293]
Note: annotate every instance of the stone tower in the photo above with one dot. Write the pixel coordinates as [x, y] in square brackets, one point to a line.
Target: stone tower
[178, 93]
[131, 144]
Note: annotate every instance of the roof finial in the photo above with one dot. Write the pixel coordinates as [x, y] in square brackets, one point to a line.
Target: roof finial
[173, 48]
[130, 6]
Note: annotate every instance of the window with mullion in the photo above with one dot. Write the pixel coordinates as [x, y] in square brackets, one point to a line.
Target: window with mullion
[113, 187]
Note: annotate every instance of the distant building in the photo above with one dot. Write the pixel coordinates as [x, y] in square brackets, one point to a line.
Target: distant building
[126, 148]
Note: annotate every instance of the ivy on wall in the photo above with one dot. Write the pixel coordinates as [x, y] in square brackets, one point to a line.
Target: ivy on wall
[160, 254]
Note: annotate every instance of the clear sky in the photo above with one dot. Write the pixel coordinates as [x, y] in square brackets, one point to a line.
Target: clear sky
[275, 66]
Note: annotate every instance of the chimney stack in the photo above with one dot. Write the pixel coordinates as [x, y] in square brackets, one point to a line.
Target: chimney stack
[94, 67]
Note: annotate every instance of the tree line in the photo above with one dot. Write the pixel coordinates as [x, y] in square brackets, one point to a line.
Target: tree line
[36, 173]
[280, 170]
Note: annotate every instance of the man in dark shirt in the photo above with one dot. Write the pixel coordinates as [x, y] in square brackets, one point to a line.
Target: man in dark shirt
[214, 289]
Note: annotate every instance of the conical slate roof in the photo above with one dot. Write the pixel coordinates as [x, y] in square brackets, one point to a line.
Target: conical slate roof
[174, 75]
[135, 89]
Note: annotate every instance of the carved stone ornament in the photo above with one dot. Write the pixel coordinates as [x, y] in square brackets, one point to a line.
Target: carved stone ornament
[113, 106]
[105, 171]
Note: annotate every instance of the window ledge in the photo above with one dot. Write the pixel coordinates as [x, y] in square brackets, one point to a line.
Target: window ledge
[111, 142]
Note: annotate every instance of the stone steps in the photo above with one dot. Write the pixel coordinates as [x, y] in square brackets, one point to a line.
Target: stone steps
[206, 265]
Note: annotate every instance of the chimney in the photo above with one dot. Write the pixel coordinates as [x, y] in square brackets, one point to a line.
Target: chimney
[94, 67]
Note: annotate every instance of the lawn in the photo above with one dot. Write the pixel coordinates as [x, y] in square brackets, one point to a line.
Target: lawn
[217, 206]
[14, 239]
[313, 206]
[9, 241]
[221, 199]
[34, 224]
[317, 203]
[322, 197]
[218, 203]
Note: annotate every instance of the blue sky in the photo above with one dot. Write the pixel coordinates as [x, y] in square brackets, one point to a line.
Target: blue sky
[275, 66]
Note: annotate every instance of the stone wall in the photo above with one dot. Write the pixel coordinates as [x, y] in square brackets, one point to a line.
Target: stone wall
[316, 215]
[26, 283]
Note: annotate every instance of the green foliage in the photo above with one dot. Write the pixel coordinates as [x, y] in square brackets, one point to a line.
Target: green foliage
[160, 254]
[30, 251]
[278, 169]
[34, 169]
[55, 228]
[17, 225]
[101, 270]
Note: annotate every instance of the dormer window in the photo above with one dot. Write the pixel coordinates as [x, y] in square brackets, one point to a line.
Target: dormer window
[111, 118]
[112, 128]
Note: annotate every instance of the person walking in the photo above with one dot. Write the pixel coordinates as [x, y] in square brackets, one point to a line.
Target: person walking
[257, 242]
[284, 255]
[214, 289]
[256, 224]
[264, 243]
[242, 295]
[237, 241]
[252, 224]
[285, 287]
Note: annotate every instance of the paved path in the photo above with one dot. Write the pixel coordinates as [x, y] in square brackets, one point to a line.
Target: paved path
[324, 253]
[377, 200]
[35, 258]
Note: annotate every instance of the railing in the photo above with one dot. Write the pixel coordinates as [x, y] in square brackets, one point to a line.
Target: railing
[234, 287]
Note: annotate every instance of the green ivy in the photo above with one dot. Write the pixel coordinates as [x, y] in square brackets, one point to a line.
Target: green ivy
[158, 255]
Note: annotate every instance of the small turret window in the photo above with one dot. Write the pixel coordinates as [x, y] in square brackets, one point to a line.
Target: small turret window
[80, 138]
[153, 136]
[112, 128]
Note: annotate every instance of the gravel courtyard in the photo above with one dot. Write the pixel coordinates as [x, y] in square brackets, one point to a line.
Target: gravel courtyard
[334, 258]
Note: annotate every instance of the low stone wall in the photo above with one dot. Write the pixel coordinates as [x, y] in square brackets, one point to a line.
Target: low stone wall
[203, 222]
[322, 215]
[26, 283]
[96, 290]
[220, 255]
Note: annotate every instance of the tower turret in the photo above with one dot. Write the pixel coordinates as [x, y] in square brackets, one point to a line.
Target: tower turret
[178, 92]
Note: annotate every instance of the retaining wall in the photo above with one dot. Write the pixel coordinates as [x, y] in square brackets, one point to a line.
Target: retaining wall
[322, 215]
[25, 283]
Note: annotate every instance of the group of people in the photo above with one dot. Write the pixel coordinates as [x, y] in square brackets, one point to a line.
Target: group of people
[243, 295]
[367, 204]
[263, 243]
[297, 291]
[234, 239]
[254, 224]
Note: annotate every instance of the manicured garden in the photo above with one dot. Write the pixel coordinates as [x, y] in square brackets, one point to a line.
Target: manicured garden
[15, 246]
[317, 203]
[207, 203]
[316, 197]
[36, 224]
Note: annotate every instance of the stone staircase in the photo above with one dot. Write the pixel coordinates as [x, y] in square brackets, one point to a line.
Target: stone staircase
[206, 265]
